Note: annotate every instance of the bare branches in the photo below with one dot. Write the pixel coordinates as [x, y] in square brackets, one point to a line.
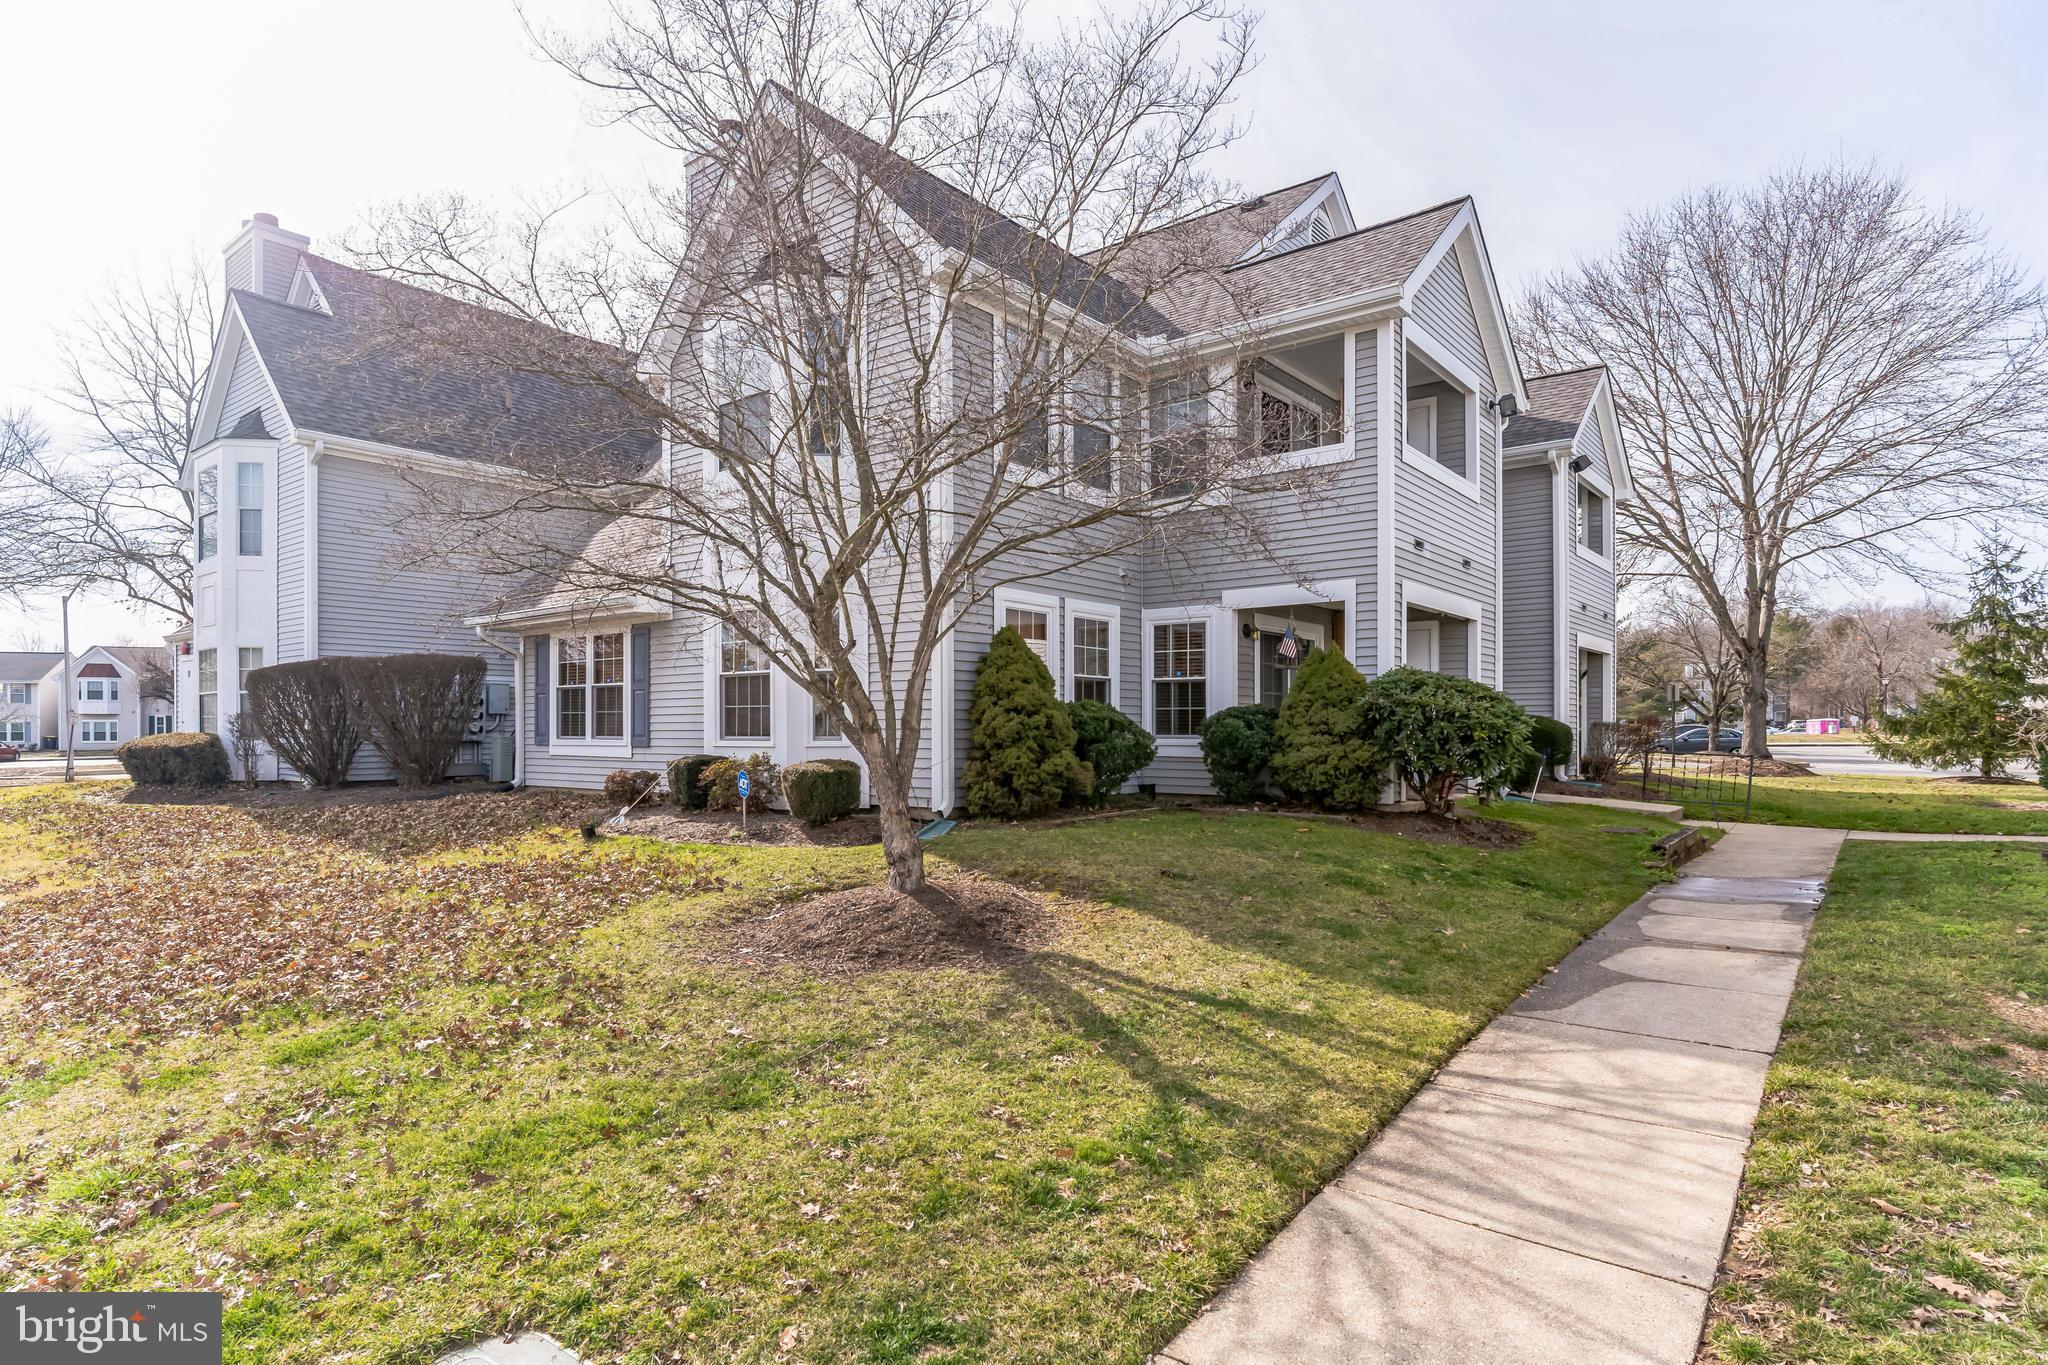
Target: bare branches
[1811, 373]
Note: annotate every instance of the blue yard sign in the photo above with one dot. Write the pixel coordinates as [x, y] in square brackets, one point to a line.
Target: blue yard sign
[746, 784]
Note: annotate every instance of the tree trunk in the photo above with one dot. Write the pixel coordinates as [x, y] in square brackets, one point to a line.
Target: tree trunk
[1756, 703]
[900, 847]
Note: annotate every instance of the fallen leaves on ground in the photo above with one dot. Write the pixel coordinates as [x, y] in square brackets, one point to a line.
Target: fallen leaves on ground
[192, 916]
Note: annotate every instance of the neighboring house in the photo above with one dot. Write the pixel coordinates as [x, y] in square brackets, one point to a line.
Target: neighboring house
[1563, 478]
[1391, 373]
[31, 684]
[119, 692]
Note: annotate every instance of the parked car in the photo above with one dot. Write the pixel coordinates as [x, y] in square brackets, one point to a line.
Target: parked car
[8, 753]
[1693, 739]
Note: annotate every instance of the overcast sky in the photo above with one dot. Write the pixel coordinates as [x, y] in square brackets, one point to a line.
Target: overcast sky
[138, 131]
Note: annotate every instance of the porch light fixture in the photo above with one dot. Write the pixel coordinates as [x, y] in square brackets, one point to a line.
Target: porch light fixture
[1579, 462]
[1506, 406]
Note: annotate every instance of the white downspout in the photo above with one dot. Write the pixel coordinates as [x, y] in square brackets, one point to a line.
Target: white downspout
[518, 657]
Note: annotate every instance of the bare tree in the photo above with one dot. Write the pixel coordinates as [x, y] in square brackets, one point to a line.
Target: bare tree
[859, 451]
[109, 513]
[1682, 646]
[1817, 370]
[1873, 658]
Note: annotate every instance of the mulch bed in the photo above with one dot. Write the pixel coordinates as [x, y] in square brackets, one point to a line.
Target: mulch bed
[763, 827]
[958, 920]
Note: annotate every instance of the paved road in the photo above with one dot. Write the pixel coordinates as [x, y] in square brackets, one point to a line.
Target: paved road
[1560, 1193]
[29, 772]
[1857, 760]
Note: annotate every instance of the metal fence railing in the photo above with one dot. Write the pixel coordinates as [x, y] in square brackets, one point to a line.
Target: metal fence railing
[1723, 783]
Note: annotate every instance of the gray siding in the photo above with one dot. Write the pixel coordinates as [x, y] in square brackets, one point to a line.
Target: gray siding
[241, 267]
[675, 715]
[1443, 305]
[369, 602]
[248, 390]
[1529, 575]
[1589, 602]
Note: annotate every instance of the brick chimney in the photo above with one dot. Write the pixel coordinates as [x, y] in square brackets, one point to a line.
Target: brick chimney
[263, 257]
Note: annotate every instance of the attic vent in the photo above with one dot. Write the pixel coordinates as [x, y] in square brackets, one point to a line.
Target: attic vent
[1319, 227]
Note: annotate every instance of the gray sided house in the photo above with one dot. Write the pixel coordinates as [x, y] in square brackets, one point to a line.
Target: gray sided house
[31, 684]
[1564, 476]
[1384, 363]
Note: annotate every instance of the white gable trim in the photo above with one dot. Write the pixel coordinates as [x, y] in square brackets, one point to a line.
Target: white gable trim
[1462, 235]
[1610, 437]
[219, 373]
[1330, 192]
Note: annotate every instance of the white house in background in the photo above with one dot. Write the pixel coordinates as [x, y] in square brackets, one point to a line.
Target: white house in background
[1391, 368]
[117, 695]
[31, 682]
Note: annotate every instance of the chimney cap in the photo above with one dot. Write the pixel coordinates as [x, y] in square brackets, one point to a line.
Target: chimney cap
[267, 219]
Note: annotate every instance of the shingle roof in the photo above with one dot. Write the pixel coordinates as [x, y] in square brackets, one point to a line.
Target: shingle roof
[1557, 405]
[405, 367]
[960, 222]
[1373, 257]
[1220, 235]
[251, 427]
[615, 554]
[27, 665]
[138, 657]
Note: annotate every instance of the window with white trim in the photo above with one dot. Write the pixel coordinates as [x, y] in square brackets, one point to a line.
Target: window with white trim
[1287, 421]
[1422, 427]
[248, 508]
[209, 691]
[590, 686]
[1091, 677]
[99, 731]
[824, 716]
[745, 705]
[1035, 625]
[1180, 677]
[13, 732]
[18, 694]
[92, 689]
[1091, 409]
[156, 725]
[743, 429]
[824, 358]
[1179, 418]
[1593, 529]
[248, 659]
[207, 497]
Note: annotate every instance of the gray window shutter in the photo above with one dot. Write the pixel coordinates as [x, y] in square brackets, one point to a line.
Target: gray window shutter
[639, 670]
[540, 689]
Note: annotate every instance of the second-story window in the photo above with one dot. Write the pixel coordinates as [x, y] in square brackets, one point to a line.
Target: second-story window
[743, 425]
[744, 708]
[1592, 518]
[207, 497]
[249, 508]
[1089, 417]
[1180, 414]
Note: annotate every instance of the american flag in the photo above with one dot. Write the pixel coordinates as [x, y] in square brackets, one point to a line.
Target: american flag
[1289, 648]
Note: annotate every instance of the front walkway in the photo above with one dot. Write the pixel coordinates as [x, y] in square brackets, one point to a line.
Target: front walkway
[1561, 1192]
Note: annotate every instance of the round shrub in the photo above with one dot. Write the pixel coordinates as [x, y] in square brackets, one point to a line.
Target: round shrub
[1237, 744]
[1020, 743]
[1440, 731]
[628, 785]
[1321, 753]
[301, 710]
[1115, 747]
[1546, 736]
[720, 782]
[414, 708]
[686, 780]
[823, 790]
[175, 760]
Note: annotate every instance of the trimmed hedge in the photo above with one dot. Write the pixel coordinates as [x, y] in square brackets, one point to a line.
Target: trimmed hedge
[1545, 736]
[175, 760]
[302, 712]
[1115, 747]
[721, 782]
[1237, 744]
[414, 708]
[628, 785]
[1020, 744]
[686, 780]
[1321, 753]
[1441, 731]
[823, 790]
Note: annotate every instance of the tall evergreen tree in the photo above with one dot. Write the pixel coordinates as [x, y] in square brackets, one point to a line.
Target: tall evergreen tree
[1985, 705]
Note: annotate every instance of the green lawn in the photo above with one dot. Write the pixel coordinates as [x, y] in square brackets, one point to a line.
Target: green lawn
[1896, 1203]
[393, 1078]
[1905, 804]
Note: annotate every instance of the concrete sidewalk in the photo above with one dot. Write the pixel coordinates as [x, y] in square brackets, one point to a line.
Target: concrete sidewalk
[1561, 1192]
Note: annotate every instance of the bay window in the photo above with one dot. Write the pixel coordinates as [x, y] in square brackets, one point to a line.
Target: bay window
[209, 691]
[207, 498]
[249, 508]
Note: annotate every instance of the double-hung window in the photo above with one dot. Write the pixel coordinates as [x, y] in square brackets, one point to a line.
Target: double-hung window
[824, 715]
[743, 429]
[18, 694]
[1287, 421]
[1180, 415]
[249, 508]
[249, 658]
[207, 497]
[92, 689]
[1035, 625]
[1032, 446]
[590, 686]
[745, 706]
[209, 691]
[1592, 518]
[1091, 669]
[13, 732]
[1180, 677]
[100, 731]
